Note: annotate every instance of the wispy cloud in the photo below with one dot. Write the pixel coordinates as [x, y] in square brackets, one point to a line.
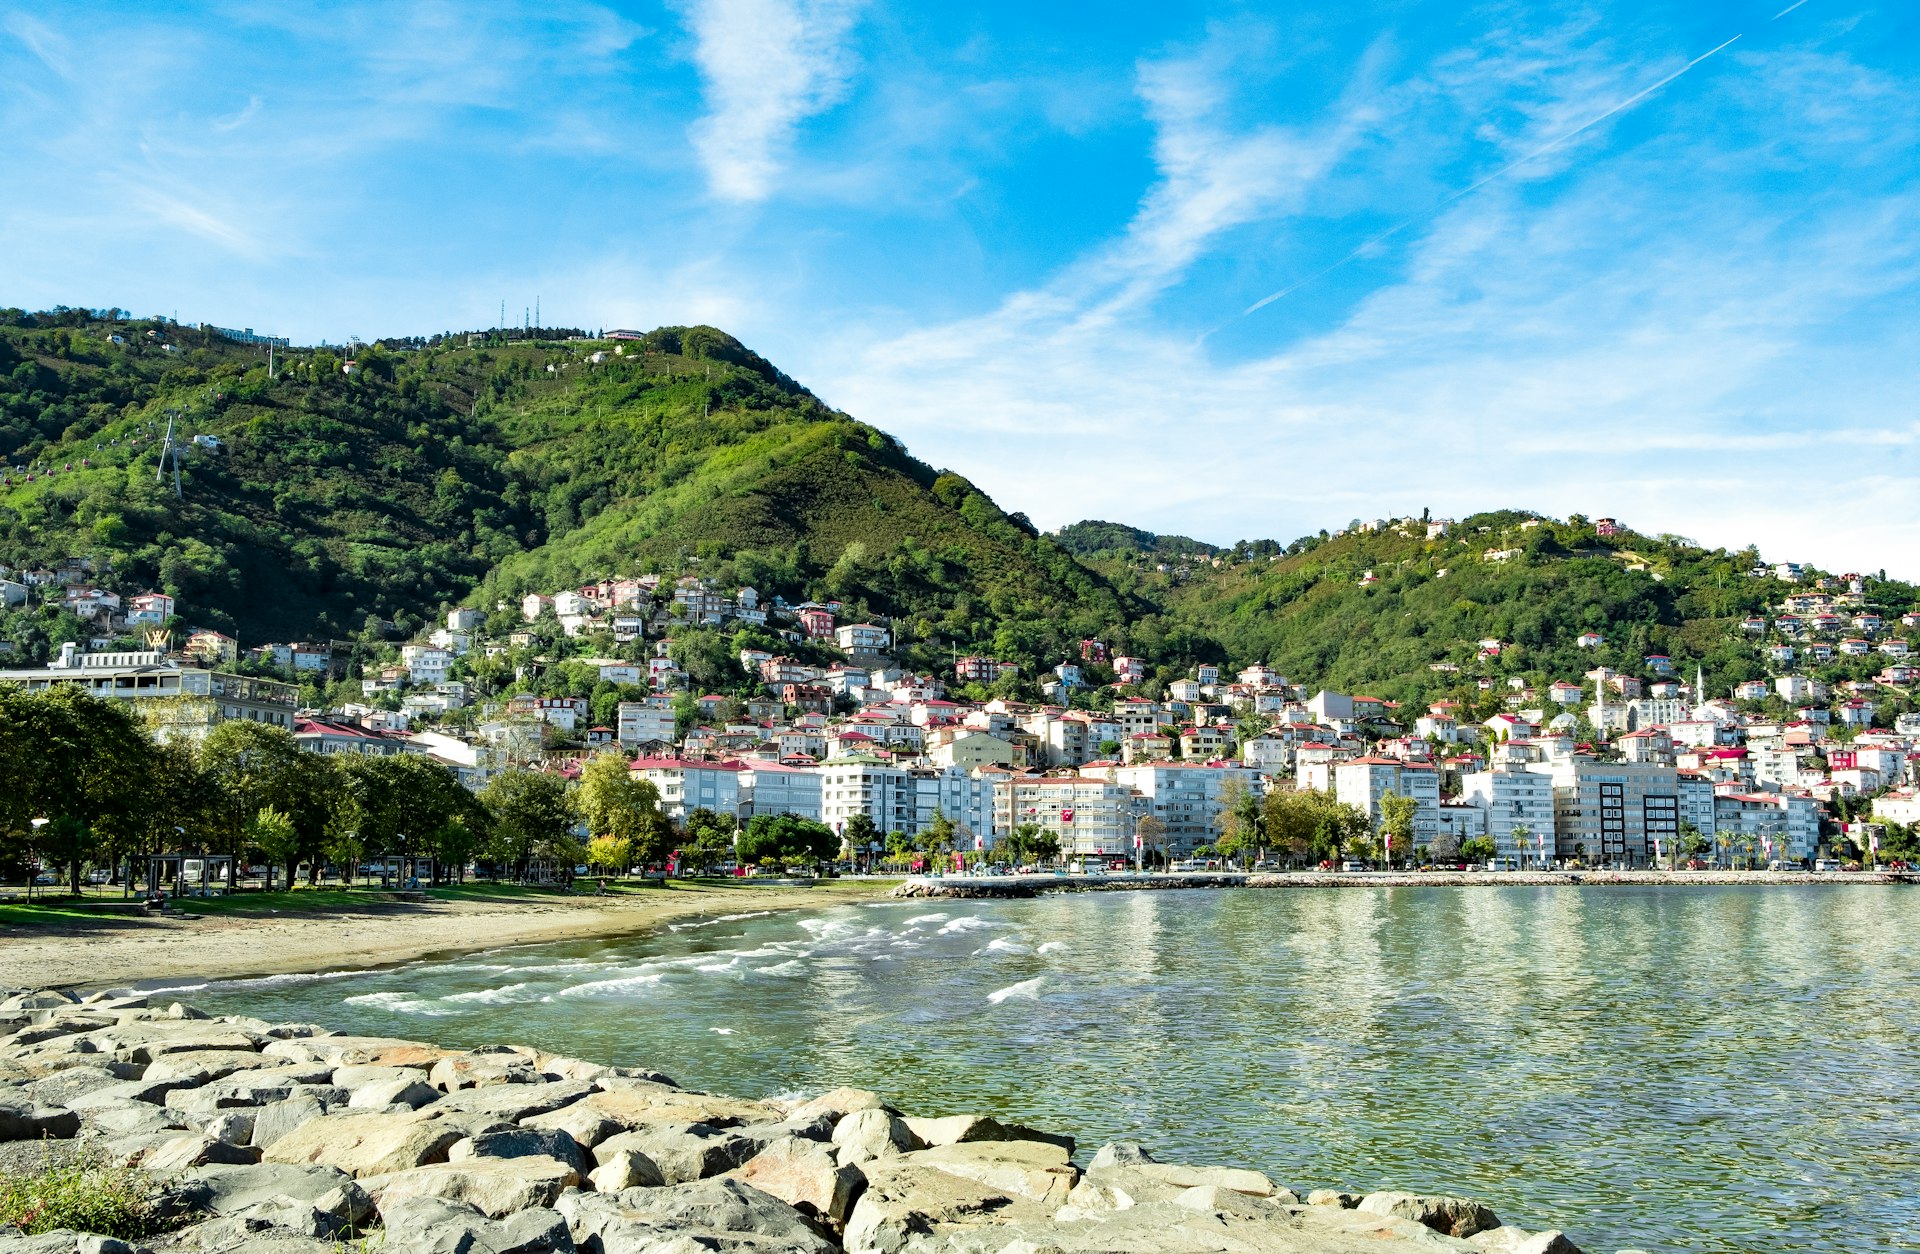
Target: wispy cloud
[1654, 312]
[767, 66]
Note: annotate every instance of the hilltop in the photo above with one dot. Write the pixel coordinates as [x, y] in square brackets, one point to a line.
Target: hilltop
[326, 503]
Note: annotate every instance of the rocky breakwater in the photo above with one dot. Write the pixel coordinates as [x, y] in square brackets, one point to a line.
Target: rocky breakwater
[287, 1138]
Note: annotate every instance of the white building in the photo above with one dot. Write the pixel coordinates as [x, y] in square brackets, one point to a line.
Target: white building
[862, 638]
[1362, 782]
[426, 664]
[686, 785]
[637, 722]
[1613, 812]
[1514, 799]
[1184, 796]
[1090, 816]
[773, 788]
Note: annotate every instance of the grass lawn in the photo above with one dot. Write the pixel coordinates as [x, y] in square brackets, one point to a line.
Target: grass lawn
[66, 911]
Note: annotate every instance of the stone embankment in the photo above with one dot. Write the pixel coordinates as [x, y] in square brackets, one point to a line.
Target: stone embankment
[288, 1138]
[1018, 886]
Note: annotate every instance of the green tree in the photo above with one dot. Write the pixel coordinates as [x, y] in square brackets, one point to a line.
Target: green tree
[1396, 824]
[274, 835]
[533, 817]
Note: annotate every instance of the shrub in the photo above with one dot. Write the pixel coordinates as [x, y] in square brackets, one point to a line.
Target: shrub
[86, 1196]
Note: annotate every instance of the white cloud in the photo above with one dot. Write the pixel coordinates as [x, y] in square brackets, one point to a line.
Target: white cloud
[767, 65]
[1653, 338]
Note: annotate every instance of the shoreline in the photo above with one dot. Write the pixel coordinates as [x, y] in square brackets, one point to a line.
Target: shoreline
[127, 952]
[239, 1131]
[1022, 886]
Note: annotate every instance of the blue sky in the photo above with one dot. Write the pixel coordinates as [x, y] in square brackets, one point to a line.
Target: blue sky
[1033, 240]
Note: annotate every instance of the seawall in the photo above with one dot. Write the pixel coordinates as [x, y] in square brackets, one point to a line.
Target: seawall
[290, 1137]
[1017, 886]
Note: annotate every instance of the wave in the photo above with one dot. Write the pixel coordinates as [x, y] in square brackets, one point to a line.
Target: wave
[968, 923]
[617, 987]
[1026, 990]
[717, 919]
[504, 995]
[400, 1003]
[1003, 945]
[1052, 947]
[918, 919]
[792, 966]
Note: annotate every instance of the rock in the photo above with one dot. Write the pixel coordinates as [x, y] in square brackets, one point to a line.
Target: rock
[904, 1201]
[515, 1102]
[683, 1152]
[368, 1143]
[1333, 1197]
[838, 1103]
[342, 1051]
[411, 1093]
[150, 1040]
[235, 1127]
[1453, 1216]
[580, 1121]
[1030, 1169]
[955, 1129]
[479, 1069]
[356, 1075]
[1252, 1183]
[61, 1087]
[198, 1150]
[626, 1169]
[865, 1135]
[688, 1218]
[1505, 1240]
[277, 1119]
[151, 1091]
[431, 1225]
[522, 1143]
[136, 1117]
[803, 1174]
[21, 1120]
[232, 1190]
[208, 1064]
[1218, 1199]
[180, 1010]
[498, 1186]
[253, 1233]
[92, 1243]
[1116, 1153]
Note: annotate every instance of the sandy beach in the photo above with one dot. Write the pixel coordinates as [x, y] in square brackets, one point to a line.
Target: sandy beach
[122, 951]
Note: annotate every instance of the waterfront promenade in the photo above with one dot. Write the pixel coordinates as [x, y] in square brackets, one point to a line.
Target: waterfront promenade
[1126, 881]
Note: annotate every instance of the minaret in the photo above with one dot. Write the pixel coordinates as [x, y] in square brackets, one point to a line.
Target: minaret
[1699, 686]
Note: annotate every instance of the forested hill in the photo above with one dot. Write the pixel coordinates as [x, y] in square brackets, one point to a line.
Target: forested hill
[468, 469]
[453, 471]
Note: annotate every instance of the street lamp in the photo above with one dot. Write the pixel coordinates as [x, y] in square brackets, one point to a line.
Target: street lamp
[33, 867]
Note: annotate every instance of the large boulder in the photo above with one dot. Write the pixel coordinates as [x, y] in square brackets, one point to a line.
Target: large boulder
[523, 1143]
[368, 1143]
[342, 1051]
[1036, 1170]
[803, 1174]
[515, 1102]
[22, 1120]
[412, 1093]
[837, 1103]
[233, 1190]
[210, 1064]
[498, 1186]
[197, 1150]
[626, 1169]
[955, 1129]
[1504, 1240]
[865, 1135]
[1452, 1216]
[681, 1152]
[904, 1201]
[431, 1225]
[481, 1068]
[278, 1119]
[683, 1219]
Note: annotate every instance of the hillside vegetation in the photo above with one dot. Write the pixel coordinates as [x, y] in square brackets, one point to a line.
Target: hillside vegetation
[473, 469]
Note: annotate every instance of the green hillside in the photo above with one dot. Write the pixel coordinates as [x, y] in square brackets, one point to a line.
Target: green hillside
[471, 469]
[455, 472]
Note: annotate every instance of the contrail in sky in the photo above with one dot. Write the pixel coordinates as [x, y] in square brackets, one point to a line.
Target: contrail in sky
[1517, 162]
[1790, 8]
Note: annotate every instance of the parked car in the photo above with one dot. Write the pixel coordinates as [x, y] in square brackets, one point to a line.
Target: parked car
[99, 875]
